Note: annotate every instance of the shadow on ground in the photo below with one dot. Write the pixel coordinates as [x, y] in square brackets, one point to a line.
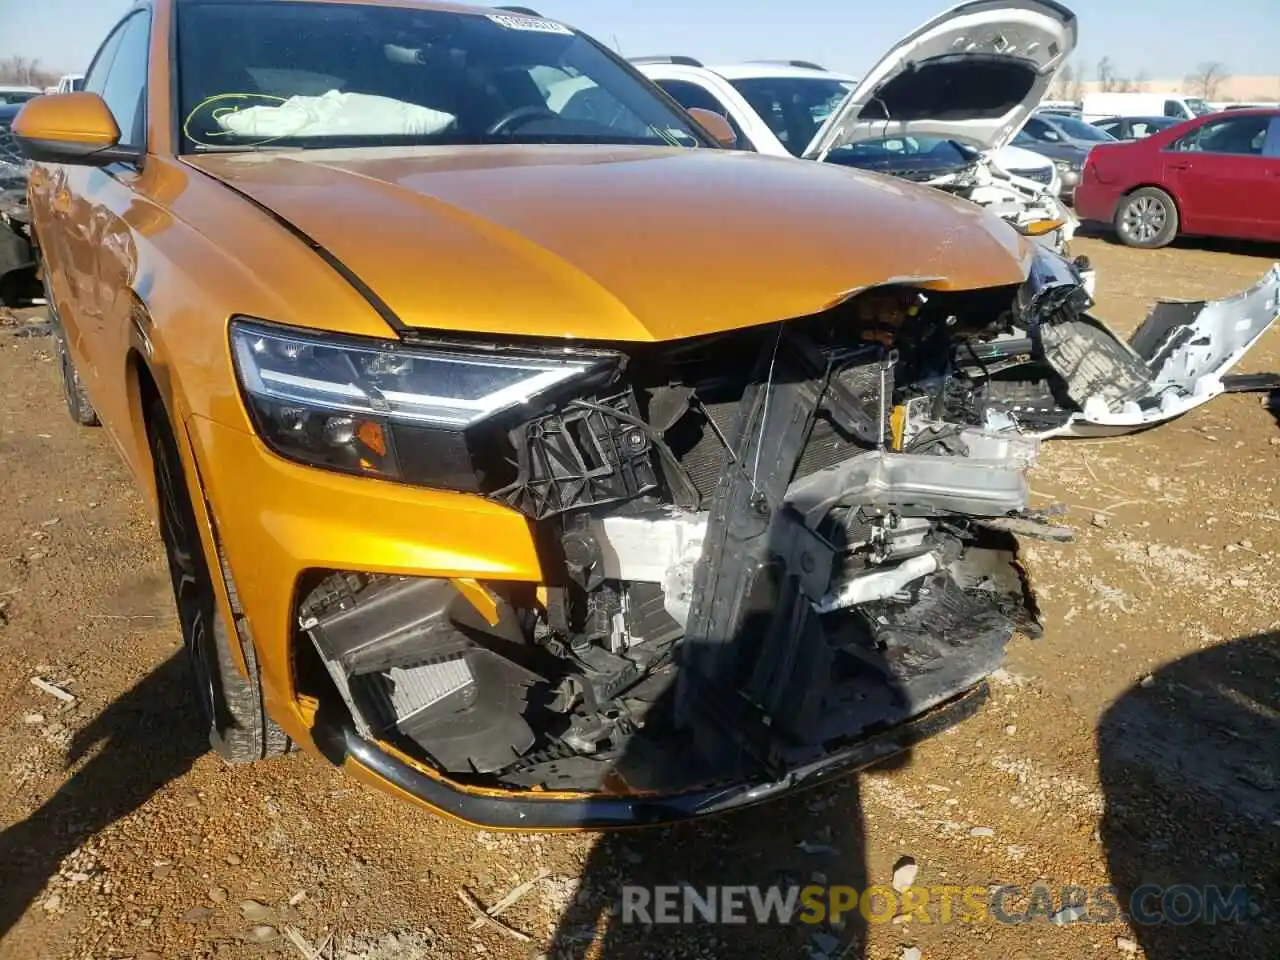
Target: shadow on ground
[1239, 248]
[146, 738]
[759, 846]
[1190, 766]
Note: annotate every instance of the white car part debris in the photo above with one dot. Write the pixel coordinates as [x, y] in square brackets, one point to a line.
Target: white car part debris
[335, 114]
[645, 546]
[52, 690]
[1174, 362]
[878, 585]
[989, 482]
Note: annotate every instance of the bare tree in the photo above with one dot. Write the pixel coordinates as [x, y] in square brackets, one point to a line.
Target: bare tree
[26, 72]
[1076, 91]
[1205, 80]
[1106, 75]
[1063, 82]
[1140, 82]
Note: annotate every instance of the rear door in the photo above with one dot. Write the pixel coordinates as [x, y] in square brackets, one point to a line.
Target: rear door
[1221, 177]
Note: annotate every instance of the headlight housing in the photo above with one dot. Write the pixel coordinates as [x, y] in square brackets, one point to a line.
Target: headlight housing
[1051, 281]
[388, 409]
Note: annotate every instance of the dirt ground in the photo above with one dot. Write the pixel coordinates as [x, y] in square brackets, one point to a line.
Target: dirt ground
[1137, 742]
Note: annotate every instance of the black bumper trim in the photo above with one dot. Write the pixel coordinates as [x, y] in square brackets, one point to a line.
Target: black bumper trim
[519, 811]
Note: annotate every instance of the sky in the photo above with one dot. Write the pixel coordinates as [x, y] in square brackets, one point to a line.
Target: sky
[1165, 39]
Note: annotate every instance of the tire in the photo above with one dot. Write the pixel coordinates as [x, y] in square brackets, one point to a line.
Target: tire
[1146, 218]
[230, 704]
[73, 392]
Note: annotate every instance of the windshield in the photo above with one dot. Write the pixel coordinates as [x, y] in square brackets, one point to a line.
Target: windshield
[17, 96]
[316, 75]
[793, 107]
[903, 154]
[1079, 130]
[1199, 108]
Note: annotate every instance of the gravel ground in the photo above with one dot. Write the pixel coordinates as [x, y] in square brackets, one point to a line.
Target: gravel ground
[1136, 743]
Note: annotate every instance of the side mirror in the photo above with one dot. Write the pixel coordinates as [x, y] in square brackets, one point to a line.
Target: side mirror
[716, 125]
[75, 128]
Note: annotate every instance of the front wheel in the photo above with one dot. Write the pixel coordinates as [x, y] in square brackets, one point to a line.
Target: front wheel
[1147, 218]
[231, 706]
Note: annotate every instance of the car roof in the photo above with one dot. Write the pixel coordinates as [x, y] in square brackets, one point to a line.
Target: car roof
[1250, 112]
[442, 5]
[745, 71]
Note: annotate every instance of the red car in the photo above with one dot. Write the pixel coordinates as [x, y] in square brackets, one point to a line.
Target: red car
[1217, 175]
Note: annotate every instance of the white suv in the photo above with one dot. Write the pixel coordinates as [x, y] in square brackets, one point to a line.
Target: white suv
[752, 97]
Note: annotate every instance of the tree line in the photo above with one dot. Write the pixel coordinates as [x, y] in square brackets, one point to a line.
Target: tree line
[1204, 81]
[26, 72]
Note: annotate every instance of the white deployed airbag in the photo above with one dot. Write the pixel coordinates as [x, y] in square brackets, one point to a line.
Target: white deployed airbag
[335, 114]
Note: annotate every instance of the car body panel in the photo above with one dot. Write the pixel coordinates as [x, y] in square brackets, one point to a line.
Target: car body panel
[1189, 347]
[1031, 37]
[561, 276]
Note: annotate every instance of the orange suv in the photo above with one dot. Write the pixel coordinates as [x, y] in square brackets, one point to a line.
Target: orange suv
[515, 445]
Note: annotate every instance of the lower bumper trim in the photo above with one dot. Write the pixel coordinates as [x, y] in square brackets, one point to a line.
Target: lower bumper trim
[527, 812]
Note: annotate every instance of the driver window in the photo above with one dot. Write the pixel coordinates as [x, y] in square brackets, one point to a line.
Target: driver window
[95, 80]
[125, 88]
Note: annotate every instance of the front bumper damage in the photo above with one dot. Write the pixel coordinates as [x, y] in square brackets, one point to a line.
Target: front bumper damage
[768, 557]
[751, 582]
[1070, 375]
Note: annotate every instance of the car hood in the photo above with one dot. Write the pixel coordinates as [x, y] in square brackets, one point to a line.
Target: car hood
[1070, 152]
[1016, 158]
[617, 243]
[974, 73]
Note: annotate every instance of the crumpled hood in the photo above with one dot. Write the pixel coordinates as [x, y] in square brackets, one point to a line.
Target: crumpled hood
[617, 243]
[974, 73]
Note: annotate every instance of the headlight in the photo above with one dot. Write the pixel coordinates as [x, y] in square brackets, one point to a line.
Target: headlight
[1052, 279]
[387, 409]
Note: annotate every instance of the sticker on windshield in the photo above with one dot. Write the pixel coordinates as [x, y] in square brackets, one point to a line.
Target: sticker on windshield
[529, 23]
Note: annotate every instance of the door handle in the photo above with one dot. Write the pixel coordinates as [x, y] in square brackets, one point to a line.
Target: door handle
[1180, 166]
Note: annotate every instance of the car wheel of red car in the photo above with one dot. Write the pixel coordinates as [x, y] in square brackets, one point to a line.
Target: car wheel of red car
[73, 392]
[1147, 218]
[231, 706]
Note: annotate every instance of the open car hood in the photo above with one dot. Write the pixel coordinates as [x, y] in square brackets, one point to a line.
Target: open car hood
[973, 74]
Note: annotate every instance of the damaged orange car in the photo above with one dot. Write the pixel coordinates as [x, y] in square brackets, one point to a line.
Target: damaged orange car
[513, 443]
